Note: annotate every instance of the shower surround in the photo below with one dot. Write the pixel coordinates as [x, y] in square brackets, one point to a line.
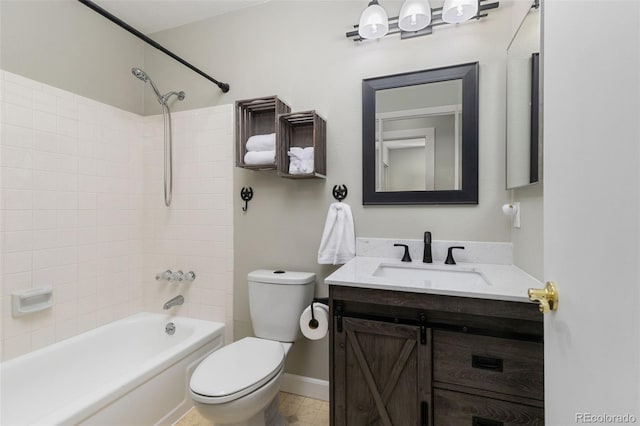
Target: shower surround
[82, 209]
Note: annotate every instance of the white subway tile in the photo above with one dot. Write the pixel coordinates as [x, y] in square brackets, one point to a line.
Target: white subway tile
[45, 180]
[67, 145]
[17, 199]
[45, 101]
[45, 239]
[17, 220]
[45, 219]
[18, 94]
[11, 156]
[45, 141]
[17, 115]
[21, 137]
[45, 200]
[42, 337]
[13, 347]
[45, 121]
[68, 108]
[66, 328]
[13, 178]
[17, 262]
[67, 218]
[67, 127]
[17, 241]
[15, 282]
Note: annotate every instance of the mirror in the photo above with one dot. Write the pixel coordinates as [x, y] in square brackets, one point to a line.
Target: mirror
[524, 138]
[420, 137]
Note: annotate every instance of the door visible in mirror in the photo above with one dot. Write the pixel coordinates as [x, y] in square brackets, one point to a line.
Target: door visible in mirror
[524, 138]
[420, 137]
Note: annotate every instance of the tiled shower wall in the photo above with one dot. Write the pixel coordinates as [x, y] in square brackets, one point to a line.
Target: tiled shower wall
[195, 233]
[82, 211]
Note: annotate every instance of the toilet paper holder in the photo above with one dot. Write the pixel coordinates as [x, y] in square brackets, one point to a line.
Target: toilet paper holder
[313, 324]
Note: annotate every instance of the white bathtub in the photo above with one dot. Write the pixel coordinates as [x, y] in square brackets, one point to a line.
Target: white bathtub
[126, 373]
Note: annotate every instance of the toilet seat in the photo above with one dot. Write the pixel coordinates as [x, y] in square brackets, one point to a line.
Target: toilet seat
[237, 370]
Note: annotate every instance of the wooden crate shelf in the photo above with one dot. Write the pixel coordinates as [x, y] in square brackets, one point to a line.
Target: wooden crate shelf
[302, 129]
[257, 116]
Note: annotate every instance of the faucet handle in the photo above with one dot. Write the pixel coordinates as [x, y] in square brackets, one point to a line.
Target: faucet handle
[450, 260]
[190, 276]
[164, 276]
[405, 257]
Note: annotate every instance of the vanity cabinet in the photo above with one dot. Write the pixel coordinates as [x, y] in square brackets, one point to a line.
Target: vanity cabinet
[400, 358]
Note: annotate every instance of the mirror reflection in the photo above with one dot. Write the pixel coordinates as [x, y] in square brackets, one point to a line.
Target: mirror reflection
[418, 137]
[523, 109]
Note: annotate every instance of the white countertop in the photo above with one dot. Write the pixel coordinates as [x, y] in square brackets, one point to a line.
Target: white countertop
[505, 282]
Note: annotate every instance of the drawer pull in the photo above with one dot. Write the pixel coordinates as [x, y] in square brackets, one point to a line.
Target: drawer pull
[486, 363]
[479, 421]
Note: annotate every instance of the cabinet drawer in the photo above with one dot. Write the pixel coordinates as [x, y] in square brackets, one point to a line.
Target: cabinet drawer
[460, 409]
[507, 366]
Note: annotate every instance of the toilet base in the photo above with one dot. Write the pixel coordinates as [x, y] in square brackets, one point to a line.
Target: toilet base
[261, 405]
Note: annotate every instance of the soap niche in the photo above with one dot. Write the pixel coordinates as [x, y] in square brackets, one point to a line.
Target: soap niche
[302, 133]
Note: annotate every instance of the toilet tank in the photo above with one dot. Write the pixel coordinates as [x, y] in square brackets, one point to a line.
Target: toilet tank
[276, 300]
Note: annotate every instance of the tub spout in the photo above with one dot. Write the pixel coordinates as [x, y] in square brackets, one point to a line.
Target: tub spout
[178, 300]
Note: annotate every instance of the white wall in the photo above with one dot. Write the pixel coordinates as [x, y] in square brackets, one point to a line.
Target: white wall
[65, 44]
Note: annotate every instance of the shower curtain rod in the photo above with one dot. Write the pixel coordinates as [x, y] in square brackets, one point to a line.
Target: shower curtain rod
[223, 86]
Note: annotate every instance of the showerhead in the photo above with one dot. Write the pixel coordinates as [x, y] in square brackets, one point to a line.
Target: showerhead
[144, 77]
[139, 74]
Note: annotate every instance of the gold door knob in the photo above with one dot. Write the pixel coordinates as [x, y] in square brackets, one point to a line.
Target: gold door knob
[547, 297]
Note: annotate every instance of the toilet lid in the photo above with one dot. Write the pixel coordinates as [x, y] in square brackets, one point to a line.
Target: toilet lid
[237, 369]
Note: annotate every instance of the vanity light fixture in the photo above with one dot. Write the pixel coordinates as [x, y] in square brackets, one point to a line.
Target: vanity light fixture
[416, 18]
[414, 15]
[374, 21]
[456, 11]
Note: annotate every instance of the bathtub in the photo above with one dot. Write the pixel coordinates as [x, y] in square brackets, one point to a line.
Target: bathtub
[130, 372]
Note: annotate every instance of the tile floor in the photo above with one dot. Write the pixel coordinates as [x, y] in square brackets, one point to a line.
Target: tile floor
[296, 410]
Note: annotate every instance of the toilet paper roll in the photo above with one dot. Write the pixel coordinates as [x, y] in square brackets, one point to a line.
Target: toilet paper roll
[318, 329]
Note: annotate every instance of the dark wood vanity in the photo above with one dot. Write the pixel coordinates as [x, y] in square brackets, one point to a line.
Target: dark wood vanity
[402, 359]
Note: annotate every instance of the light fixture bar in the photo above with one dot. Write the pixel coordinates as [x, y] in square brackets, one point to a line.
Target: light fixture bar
[436, 21]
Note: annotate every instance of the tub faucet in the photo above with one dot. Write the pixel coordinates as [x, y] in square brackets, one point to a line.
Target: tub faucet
[426, 256]
[178, 300]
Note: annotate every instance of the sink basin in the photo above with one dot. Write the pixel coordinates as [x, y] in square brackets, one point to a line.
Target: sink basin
[431, 277]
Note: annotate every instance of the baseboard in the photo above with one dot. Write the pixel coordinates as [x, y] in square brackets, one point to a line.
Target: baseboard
[305, 386]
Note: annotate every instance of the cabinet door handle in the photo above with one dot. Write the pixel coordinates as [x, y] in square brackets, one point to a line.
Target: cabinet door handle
[479, 421]
[486, 363]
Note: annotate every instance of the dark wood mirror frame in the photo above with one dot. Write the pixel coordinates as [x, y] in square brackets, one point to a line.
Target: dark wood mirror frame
[468, 73]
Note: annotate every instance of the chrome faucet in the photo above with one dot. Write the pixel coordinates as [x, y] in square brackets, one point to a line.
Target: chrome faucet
[426, 256]
[178, 300]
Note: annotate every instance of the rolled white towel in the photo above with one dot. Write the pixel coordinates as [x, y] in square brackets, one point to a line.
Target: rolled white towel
[260, 157]
[300, 160]
[262, 142]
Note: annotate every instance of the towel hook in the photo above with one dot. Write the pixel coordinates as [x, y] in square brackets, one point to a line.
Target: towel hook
[340, 192]
[247, 195]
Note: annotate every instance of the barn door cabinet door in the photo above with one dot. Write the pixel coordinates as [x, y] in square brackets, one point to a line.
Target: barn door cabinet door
[382, 374]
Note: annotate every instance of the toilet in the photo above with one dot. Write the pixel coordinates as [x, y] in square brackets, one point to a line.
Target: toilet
[238, 384]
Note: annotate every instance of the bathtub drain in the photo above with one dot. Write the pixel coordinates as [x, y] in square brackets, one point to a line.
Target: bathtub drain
[170, 328]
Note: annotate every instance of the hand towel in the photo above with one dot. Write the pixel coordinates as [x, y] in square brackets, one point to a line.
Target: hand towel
[262, 142]
[338, 243]
[255, 158]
